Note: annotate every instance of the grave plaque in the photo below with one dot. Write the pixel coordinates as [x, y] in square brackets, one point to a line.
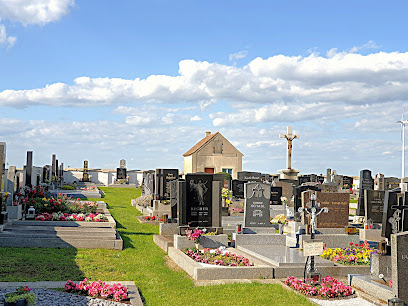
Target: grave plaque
[238, 188]
[347, 182]
[257, 199]
[29, 168]
[249, 176]
[313, 248]
[399, 264]
[366, 183]
[199, 199]
[374, 205]
[338, 205]
[2, 164]
[121, 173]
[395, 215]
[276, 194]
[391, 183]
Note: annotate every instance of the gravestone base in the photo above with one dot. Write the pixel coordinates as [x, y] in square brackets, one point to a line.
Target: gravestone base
[15, 212]
[288, 174]
[370, 235]
[332, 240]
[218, 230]
[213, 241]
[381, 264]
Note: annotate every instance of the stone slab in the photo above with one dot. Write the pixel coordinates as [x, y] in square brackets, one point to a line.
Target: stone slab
[163, 242]
[213, 241]
[368, 285]
[380, 264]
[260, 239]
[399, 264]
[370, 234]
[332, 241]
[168, 229]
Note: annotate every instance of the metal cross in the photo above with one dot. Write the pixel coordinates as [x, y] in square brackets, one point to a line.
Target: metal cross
[396, 218]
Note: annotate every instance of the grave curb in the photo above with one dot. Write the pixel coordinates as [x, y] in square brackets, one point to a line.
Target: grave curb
[134, 295]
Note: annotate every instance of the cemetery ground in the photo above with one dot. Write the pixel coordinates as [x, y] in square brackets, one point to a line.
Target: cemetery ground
[140, 261]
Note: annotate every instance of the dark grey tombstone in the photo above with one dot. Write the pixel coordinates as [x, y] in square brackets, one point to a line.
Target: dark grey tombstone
[56, 169]
[395, 214]
[298, 198]
[276, 194]
[391, 183]
[167, 176]
[38, 181]
[366, 183]
[2, 164]
[181, 202]
[11, 177]
[238, 189]
[29, 169]
[347, 182]
[53, 168]
[304, 179]
[85, 175]
[320, 179]
[257, 199]
[157, 183]
[249, 176]
[173, 198]
[374, 205]
[46, 177]
[121, 173]
[202, 204]
[399, 264]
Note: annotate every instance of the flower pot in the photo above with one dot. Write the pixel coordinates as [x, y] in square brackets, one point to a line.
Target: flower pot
[22, 302]
[281, 229]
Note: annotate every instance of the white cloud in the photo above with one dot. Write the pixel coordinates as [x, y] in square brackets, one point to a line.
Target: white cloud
[368, 45]
[196, 118]
[238, 55]
[349, 79]
[6, 40]
[34, 11]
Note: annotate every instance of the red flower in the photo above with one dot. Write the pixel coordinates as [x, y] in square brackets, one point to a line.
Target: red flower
[351, 243]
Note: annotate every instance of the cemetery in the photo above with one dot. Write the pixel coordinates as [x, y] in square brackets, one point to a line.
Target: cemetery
[324, 236]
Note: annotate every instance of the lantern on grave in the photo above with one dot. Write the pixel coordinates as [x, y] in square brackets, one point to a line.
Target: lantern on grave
[395, 302]
[30, 213]
[165, 218]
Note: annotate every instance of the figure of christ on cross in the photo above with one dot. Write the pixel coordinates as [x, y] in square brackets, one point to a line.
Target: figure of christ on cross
[289, 137]
[397, 221]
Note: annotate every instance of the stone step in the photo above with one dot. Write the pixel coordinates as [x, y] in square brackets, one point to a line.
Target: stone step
[74, 224]
[29, 229]
[260, 239]
[41, 234]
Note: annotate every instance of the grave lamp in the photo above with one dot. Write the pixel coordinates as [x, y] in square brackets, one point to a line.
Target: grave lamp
[395, 302]
[30, 213]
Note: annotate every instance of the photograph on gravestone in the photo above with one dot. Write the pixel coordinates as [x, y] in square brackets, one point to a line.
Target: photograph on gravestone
[257, 199]
[249, 176]
[199, 189]
[374, 205]
[395, 214]
[276, 194]
[238, 188]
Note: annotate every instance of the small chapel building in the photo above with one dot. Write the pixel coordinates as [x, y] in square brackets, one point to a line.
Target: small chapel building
[213, 154]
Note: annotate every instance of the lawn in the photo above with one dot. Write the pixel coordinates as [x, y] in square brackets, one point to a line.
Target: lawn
[141, 261]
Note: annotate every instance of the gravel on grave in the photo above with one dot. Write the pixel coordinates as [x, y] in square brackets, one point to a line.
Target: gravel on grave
[51, 297]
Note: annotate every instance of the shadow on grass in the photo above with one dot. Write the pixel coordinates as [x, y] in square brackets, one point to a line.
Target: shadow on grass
[127, 242]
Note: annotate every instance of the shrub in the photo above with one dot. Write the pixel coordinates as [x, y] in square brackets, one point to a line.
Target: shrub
[68, 187]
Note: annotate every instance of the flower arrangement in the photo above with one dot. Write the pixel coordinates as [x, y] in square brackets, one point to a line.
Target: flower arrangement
[59, 216]
[195, 234]
[218, 257]
[330, 287]
[148, 218]
[240, 210]
[355, 254]
[284, 200]
[279, 219]
[22, 293]
[99, 289]
[226, 194]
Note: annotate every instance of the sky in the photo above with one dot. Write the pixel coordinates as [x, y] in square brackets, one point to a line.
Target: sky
[143, 80]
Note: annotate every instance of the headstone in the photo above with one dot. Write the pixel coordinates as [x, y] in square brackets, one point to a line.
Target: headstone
[328, 175]
[238, 189]
[395, 215]
[329, 187]
[38, 180]
[122, 163]
[298, 198]
[304, 179]
[399, 264]
[320, 179]
[29, 168]
[173, 198]
[366, 183]
[374, 205]
[85, 176]
[46, 174]
[2, 164]
[287, 189]
[121, 173]
[200, 201]
[249, 176]
[338, 205]
[257, 199]
[56, 171]
[53, 168]
[276, 194]
[11, 177]
[391, 183]
[162, 182]
[347, 182]
[149, 183]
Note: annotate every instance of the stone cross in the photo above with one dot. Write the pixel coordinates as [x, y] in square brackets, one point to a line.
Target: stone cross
[289, 137]
[396, 219]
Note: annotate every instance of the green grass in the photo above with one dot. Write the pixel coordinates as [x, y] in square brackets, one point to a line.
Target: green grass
[353, 200]
[141, 261]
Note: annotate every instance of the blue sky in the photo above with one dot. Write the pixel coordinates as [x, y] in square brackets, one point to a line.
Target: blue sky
[143, 81]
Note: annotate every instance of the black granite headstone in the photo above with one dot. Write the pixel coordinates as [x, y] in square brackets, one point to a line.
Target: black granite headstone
[29, 168]
[249, 176]
[304, 179]
[347, 182]
[366, 183]
[257, 201]
[298, 198]
[395, 214]
[320, 179]
[168, 175]
[238, 189]
[374, 205]
[121, 173]
[53, 169]
[173, 198]
[276, 194]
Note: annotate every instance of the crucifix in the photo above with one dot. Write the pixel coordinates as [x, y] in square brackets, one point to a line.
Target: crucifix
[314, 211]
[396, 220]
[289, 137]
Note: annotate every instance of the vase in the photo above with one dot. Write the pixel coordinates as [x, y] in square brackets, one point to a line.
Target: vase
[197, 245]
[281, 229]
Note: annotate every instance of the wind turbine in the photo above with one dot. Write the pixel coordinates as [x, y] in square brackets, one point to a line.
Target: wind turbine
[403, 122]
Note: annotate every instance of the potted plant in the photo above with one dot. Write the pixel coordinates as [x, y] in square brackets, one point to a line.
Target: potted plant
[21, 297]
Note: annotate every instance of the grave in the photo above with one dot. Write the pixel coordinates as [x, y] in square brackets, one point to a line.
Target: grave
[85, 175]
[399, 262]
[173, 198]
[238, 188]
[257, 201]
[162, 182]
[121, 171]
[298, 198]
[249, 176]
[366, 183]
[347, 182]
[276, 194]
[148, 182]
[395, 208]
[29, 169]
[374, 205]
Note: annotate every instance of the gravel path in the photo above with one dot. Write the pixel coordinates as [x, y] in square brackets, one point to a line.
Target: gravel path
[57, 298]
[345, 302]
